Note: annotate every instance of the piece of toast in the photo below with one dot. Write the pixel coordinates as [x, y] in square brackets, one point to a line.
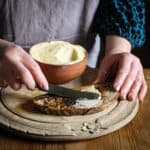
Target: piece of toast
[63, 106]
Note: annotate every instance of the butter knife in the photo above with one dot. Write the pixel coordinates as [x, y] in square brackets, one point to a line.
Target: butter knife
[70, 93]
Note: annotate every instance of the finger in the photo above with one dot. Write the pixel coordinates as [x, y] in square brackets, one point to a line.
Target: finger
[3, 83]
[37, 73]
[101, 76]
[15, 85]
[133, 94]
[103, 70]
[12, 81]
[26, 76]
[123, 71]
[128, 82]
[143, 91]
[10, 76]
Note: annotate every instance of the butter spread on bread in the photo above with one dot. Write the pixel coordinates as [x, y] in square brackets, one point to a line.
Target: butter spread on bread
[86, 103]
[54, 105]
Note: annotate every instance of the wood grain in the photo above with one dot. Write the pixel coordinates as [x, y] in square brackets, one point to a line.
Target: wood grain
[134, 136]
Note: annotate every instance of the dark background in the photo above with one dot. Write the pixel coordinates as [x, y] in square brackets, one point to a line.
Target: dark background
[144, 52]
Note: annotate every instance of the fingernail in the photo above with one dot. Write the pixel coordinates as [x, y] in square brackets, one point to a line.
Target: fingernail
[45, 87]
[117, 87]
[141, 100]
[124, 96]
[95, 81]
[131, 98]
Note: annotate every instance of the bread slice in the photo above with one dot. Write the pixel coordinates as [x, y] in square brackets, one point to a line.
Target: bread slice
[63, 106]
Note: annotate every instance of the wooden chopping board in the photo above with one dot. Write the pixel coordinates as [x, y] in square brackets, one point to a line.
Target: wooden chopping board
[18, 115]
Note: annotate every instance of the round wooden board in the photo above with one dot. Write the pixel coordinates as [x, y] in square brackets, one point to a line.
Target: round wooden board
[18, 115]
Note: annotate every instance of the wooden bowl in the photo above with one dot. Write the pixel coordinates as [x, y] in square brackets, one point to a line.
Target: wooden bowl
[59, 74]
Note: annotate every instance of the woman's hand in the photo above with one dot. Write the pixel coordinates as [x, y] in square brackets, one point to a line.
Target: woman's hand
[17, 67]
[128, 72]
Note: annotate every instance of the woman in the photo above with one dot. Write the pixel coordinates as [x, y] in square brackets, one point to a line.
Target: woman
[121, 23]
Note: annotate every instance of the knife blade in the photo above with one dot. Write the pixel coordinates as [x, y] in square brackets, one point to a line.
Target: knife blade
[70, 93]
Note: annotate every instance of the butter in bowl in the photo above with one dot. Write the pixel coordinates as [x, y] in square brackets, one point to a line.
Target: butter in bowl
[60, 61]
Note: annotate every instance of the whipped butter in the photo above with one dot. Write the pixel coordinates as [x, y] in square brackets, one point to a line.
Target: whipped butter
[87, 103]
[57, 52]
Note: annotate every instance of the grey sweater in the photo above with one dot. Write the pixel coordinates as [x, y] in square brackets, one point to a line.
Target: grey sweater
[27, 22]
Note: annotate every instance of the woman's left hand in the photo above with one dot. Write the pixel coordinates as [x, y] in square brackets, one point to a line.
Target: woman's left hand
[128, 74]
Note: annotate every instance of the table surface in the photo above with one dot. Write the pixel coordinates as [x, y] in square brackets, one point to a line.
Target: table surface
[134, 136]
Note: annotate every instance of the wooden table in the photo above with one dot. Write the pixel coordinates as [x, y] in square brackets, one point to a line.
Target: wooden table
[135, 136]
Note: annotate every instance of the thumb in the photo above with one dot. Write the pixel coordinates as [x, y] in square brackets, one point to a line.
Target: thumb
[104, 70]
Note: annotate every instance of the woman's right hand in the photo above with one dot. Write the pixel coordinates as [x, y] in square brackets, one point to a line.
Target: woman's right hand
[17, 67]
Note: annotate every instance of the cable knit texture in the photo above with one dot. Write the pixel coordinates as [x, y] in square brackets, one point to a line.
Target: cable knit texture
[125, 18]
